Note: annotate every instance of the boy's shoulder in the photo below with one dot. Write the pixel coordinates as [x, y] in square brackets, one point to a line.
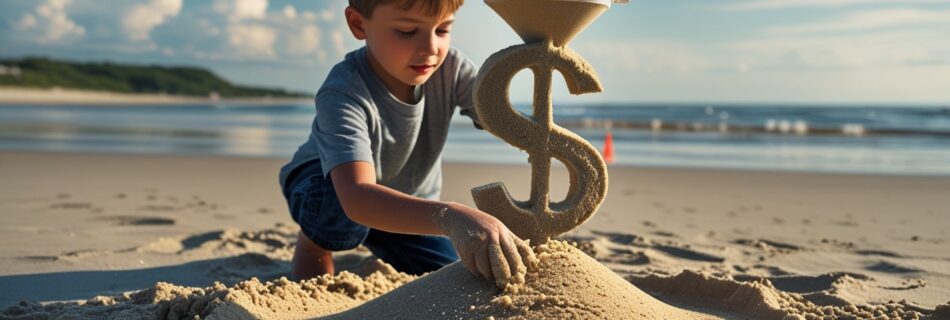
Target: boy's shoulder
[352, 75]
[456, 62]
[345, 76]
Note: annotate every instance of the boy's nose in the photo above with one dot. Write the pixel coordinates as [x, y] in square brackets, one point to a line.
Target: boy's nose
[429, 46]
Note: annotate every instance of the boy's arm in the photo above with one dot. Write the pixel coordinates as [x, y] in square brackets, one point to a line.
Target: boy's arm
[484, 244]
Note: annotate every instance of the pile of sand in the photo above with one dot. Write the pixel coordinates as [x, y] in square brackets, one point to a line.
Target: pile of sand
[566, 284]
[251, 299]
[569, 284]
[761, 300]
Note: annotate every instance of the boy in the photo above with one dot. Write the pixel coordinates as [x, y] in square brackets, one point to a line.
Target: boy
[370, 173]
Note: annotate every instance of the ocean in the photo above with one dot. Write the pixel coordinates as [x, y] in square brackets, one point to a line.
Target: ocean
[888, 139]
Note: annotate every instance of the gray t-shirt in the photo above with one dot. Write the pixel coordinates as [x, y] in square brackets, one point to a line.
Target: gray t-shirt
[358, 119]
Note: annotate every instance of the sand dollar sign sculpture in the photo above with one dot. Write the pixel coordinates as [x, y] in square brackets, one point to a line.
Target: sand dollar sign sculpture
[546, 26]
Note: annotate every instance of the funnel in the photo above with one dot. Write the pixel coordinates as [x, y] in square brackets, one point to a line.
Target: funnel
[555, 20]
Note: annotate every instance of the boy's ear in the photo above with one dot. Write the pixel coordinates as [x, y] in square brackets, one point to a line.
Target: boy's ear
[354, 19]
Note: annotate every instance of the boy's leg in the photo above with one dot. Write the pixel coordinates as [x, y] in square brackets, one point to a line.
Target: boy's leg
[412, 254]
[324, 227]
[310, 260]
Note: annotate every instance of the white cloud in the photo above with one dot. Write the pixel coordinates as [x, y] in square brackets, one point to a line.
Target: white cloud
[868, 20]
[655, 56]
[338, 45]
[309, 15]
[785, 4]
[328, 15]
[253, 40]
[139, 21]
[209, 28]
[844, 51]
[290, 12]
[51, 23]
[241, 9]
[28, 21]
[284, 33]
[305, 40]
[253, 32]
[302, 35]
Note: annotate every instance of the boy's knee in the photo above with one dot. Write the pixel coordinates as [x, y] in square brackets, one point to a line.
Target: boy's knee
[304, 243]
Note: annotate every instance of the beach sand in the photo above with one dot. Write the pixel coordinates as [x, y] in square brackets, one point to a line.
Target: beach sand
[134, 236]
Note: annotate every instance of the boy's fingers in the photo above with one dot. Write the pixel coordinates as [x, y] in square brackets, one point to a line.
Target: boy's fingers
[499, 265]
[515, 264]
[527, 255]
[482, 262]
[468, 260]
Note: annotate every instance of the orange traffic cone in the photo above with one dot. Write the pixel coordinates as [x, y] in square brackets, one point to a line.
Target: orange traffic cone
[609, 148]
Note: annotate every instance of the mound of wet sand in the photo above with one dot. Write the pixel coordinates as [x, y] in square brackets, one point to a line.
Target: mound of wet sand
[759, 299]
[251, 299]
[565, 284]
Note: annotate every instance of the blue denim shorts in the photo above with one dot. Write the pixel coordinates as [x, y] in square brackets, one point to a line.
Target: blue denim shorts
[314, 205]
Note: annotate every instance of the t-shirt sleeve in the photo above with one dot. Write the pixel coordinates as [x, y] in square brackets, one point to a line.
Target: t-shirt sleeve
[464, 87]
[341, 130]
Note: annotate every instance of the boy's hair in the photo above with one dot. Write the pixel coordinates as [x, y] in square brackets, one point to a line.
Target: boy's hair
[437, 8]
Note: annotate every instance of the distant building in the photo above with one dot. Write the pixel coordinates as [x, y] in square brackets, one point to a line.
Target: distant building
[214, 96]
[9, 71]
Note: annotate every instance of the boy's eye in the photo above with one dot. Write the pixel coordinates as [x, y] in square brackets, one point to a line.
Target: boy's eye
[442, 31]
[405, 33]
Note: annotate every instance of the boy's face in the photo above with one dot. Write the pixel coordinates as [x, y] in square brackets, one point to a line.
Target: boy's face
[408, 45]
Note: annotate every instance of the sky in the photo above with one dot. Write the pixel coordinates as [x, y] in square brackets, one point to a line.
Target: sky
[703, 51]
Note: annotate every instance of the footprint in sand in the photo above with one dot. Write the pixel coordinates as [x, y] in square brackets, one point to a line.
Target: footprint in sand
[72, 206]
[821, 289]
[627, 256]
[624, 243]
[771, 271]
[769, 246]
[805, 284]
[688, 254]
[39, 258]
[281, 237]
[139, 221]
[838, 243]
[663, 233]
[878, 253]
[890, 267]
[221, 216]
[908, 284]
[622, 238]
[846, 223]
[157, 207]
[606, 250]
[70, 255]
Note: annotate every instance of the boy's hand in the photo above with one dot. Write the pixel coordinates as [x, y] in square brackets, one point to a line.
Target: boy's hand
[485, 245]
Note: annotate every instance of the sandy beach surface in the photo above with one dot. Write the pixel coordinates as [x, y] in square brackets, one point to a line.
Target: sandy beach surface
[17, 95]
[173, 237]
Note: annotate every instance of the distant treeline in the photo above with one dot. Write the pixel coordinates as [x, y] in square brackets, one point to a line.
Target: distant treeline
[188, 81]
